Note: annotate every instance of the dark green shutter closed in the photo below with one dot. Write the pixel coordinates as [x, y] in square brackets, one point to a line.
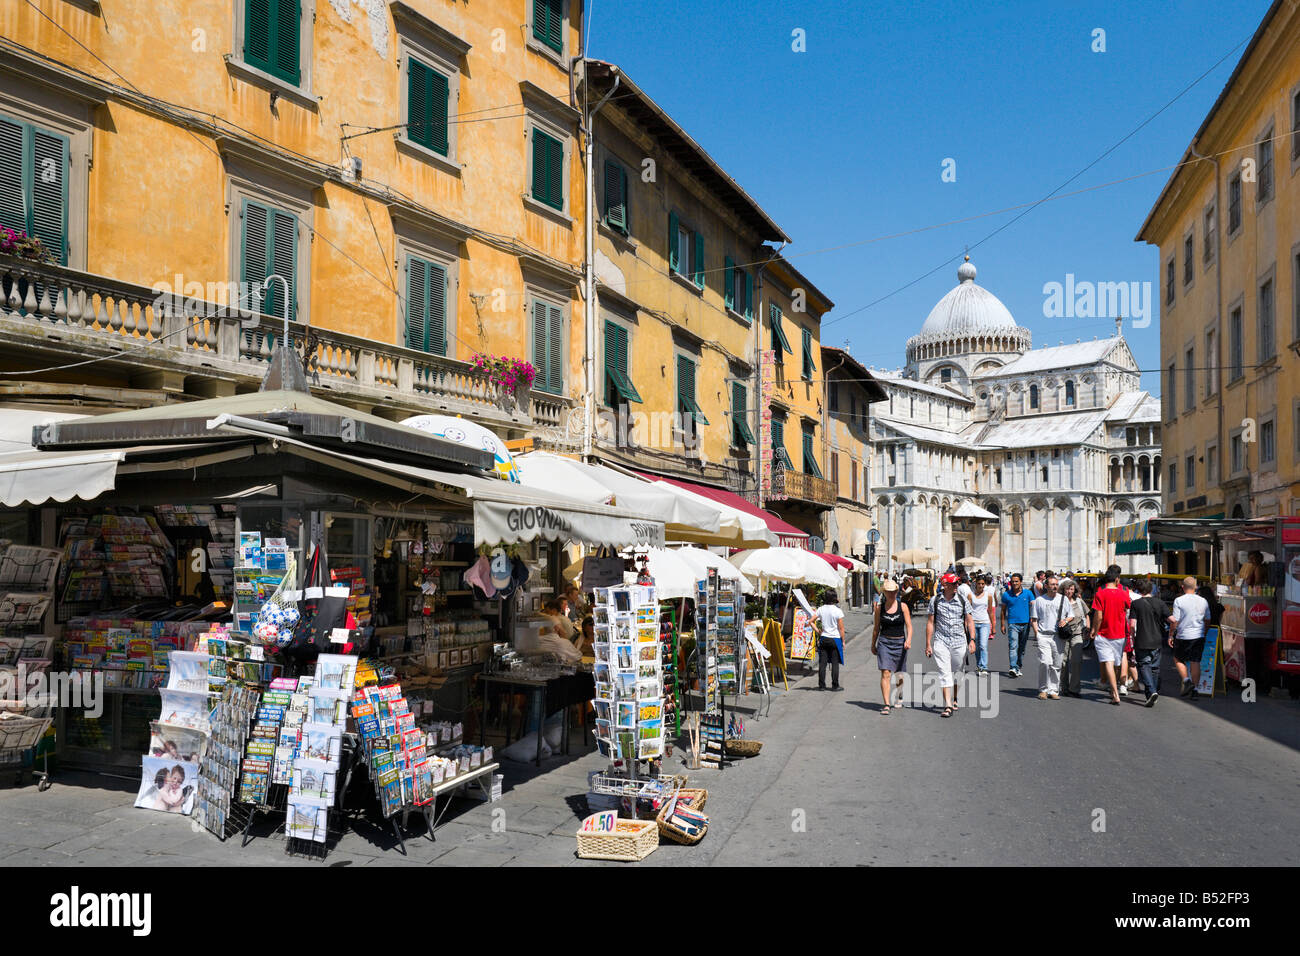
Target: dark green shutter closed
[426, 306]
[728, 283]
[540, 357]
[270, 247]
[284, 263]
[740, 431]
[555, 332]
[615, 196]
[548, 23]
[34, 184]
[13, 205]
[548, 170]
[417, 102]
[417, 303]
[254, 271]
[808, 366]
[287, 41]
[685, 385]
[439, 108]
[699, 259]
[271, 37]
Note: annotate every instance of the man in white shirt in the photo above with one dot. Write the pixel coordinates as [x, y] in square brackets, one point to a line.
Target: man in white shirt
[1048, 612]
[1187, 635]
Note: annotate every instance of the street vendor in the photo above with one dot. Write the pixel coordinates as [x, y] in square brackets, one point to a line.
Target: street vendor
[1252, 572]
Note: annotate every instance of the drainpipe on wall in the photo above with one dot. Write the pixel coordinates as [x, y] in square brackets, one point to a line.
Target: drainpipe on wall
[589, 267]
[1218, 308]
[758, 372]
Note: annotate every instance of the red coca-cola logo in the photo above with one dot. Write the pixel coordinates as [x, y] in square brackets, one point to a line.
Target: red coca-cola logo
[1260, 613]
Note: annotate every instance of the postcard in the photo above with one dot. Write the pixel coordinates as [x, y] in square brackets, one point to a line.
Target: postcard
[650, 728]
[183, 708]
[326, 708]
[647, 670]
[604, 689]
[648, 652]
[648, 689]
[36, 647]
[315, 778]
[600, 650]
[604, 728]
[626, 713]
[602, 708]
[321, 742]
[306, 818]
[167, 785]
[176, 743]
[606, 748]
[602, 672]
[650, 710]
[624, 657]
[336, 671]
[649, 749]
[625, 682]
[647, 633]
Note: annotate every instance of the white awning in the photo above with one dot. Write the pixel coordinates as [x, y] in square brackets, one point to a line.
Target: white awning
[969, 509]
[35, 477]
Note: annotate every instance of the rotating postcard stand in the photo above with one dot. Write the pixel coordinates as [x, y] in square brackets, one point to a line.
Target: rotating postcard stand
[717, 654]
[629, 703]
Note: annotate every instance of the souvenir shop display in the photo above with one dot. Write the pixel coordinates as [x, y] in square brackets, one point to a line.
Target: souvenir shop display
[717, 652]
[169, 774]
[314, 735]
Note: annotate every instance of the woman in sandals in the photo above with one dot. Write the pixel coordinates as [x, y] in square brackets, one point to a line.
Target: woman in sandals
[891, 639]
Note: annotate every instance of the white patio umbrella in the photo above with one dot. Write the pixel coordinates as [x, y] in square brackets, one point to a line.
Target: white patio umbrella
[794, 565]
[674, 576]
[736, 528]
[553, 473]
[701, 560]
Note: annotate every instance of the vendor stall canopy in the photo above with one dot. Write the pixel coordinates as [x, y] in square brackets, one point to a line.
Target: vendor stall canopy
[85, 457]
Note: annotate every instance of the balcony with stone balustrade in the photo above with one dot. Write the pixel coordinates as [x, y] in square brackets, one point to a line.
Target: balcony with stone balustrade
[52, 316]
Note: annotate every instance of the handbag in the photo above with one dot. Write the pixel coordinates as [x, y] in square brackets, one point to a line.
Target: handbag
[319, 616]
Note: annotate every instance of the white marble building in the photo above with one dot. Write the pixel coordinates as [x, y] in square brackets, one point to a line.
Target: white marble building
[1020, 457]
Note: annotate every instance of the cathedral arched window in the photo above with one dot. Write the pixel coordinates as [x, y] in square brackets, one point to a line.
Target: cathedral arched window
[1033, 396]
[1069, 394]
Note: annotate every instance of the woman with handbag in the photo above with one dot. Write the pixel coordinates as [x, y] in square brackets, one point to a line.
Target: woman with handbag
[830, 640]
[1077, 631]
[891, 639]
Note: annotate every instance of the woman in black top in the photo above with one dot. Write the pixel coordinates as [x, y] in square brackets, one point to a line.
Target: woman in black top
[890, 640]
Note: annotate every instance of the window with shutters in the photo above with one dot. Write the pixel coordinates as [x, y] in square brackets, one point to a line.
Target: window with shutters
[269, 259]
[685, 250]
[1236, 345]
[34, 170]
[270, 36]
[547, 29]
[808, 365]
[615, 203]
[810, 465]
[548, 323]
[1234, 204]
[738, 289]
[1266, 325]
[428, 289]
[1189, 258]
[547, 165]
[430, 92]
[1264, 167]
[619, 389]
[779, 454]
[835, 470]
[780, 344]
[689, 414]
[1210, 235]
[742, 436]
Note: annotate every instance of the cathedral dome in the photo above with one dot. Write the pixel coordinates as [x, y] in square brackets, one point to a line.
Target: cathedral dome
[969, 309]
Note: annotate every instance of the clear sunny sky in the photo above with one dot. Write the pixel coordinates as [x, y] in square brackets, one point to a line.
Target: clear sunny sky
[846, 142]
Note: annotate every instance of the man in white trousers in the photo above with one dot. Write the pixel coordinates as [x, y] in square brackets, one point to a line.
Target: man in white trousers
[949, 637]
[1049, 611]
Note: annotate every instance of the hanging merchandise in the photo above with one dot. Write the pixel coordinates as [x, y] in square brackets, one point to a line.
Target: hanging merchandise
[323, 611]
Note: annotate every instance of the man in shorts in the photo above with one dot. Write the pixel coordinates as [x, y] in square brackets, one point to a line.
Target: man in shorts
[949, 637]
[1187, 635]
[1110, 611]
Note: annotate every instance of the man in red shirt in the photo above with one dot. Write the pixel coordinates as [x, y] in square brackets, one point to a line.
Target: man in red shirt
[1110, 613]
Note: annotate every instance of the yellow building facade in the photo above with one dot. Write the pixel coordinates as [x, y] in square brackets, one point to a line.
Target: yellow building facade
[408, 172]
[1227, 225]
[850, 391]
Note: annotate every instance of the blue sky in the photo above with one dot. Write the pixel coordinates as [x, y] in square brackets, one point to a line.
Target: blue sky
[846, 142]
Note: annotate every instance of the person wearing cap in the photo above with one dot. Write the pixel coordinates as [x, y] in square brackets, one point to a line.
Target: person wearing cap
[949, 636]
[891, 639]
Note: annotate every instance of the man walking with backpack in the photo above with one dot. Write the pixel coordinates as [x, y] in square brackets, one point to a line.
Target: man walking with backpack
[949, 637]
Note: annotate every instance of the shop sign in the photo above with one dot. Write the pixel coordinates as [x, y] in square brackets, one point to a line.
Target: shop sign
[1261, 613]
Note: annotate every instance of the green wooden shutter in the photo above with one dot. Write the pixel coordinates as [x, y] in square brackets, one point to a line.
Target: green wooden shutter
[555, 348]
[13, 176]
[699, 259]
[257, 33]
[618, 382]
[740, 431]
[283, 236]
[685, 385]
[674, 255]
[287, 20]
[49, 203]
[436, 316]
[548, 23]
[253, 254]
[615, 196]
[541, 358]
[548, 170]
[418, 78]
[439, 109]
[807, 353]
[417, 300]
[749, 297]
[810, 465]
[728, 282]
[778, 441]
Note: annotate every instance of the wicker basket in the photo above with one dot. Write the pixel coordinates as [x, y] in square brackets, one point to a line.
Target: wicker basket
[631, 840]
[743, 748]
[697, 799]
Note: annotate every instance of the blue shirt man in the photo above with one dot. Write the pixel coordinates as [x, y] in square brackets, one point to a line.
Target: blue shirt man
[1016, 605]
